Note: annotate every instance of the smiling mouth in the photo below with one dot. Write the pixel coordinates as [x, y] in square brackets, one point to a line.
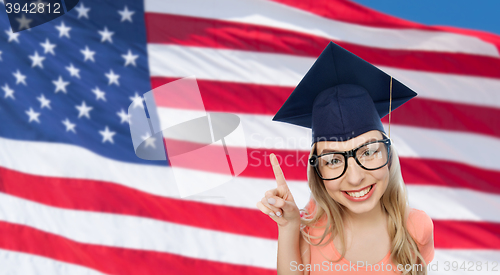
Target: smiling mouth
[361, 193]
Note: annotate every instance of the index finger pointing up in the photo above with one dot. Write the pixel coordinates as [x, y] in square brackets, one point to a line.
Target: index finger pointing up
[278, 174]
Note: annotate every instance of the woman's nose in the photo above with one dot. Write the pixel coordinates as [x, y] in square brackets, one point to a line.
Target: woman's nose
[354, 174]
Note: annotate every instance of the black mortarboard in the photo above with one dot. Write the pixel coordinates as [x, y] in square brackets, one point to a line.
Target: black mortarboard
[342, 96]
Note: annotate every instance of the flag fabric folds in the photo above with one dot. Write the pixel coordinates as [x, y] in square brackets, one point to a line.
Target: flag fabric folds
[75, 199]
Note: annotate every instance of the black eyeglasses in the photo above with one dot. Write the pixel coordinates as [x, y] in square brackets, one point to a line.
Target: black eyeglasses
[370, 156]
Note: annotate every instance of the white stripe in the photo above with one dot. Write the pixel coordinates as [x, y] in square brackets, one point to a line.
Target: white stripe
[454, 203]
[261, 132]
[288, 70]
[70, 161]
[454, 261]
[271, 14]
[227, 65]
[140, 233]
[17, 263]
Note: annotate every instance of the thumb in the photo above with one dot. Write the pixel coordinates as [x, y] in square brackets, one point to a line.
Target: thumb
[289, 206]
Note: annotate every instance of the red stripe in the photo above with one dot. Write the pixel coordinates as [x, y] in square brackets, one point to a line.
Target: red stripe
[466, 235]
[220, 96]
[349, 11]
[194, 156]
[112, 260]
[232, 97]
[449, 174]
[200, 32]
[98, 196]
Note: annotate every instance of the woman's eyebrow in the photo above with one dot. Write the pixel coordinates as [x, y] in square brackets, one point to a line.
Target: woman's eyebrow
[335, 151]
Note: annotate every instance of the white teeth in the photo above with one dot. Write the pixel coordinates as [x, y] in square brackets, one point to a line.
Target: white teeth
[360, 193]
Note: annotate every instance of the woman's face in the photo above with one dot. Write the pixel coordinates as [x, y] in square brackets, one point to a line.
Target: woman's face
[356, 178]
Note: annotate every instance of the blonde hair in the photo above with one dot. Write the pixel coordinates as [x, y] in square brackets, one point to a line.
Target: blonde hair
[394, 203]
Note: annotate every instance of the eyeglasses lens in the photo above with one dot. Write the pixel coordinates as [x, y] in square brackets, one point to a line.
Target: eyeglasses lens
[371, 156]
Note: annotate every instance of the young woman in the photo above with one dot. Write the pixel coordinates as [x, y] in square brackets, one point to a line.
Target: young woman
[358, 220]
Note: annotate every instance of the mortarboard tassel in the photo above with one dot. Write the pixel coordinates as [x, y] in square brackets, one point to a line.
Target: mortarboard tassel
[390, 103]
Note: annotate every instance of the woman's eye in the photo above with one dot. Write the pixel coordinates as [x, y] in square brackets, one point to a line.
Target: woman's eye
[368, 153]
[334, 162]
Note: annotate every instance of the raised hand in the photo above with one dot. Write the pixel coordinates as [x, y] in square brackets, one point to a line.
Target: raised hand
[278, 203]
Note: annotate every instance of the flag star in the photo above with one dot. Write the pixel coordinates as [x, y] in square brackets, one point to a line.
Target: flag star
[124, 116]
[82, 11]
[150, 141]
[8, 91]
[137, 100]
[84, 110]
[106, 35]
[20, 78]
[88, 54]
[63, 30]
[37, 60]
[60, 84]
[47, 47]
[24, 23]
[44, 102]
[69, 126]
[99, 94]
[73, 71]
[107, 135]
[126, 14]
[113, 78]
[33, 115]
[12, 36]
[130, 58]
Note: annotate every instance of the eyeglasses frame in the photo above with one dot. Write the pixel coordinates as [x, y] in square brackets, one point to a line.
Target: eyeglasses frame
[351, 153]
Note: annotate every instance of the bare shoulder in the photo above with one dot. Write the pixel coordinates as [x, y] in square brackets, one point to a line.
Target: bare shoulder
[305, 252]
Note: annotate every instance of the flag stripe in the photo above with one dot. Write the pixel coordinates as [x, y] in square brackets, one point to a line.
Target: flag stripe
[352, 12]
[247, 37]
[135, 233]
[420, 171]
[109, 198]
[28, 264]
[446, 234]
[461, 204]
[152, 179]
[233, 97]
[261, 132]
[349, 11]
[287, 70]
[112, 260]
[105, 197]
[257, 186]
[138, 233]
[275, 15]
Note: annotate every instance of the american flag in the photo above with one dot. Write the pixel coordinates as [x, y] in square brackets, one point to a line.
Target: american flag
[75, 199]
